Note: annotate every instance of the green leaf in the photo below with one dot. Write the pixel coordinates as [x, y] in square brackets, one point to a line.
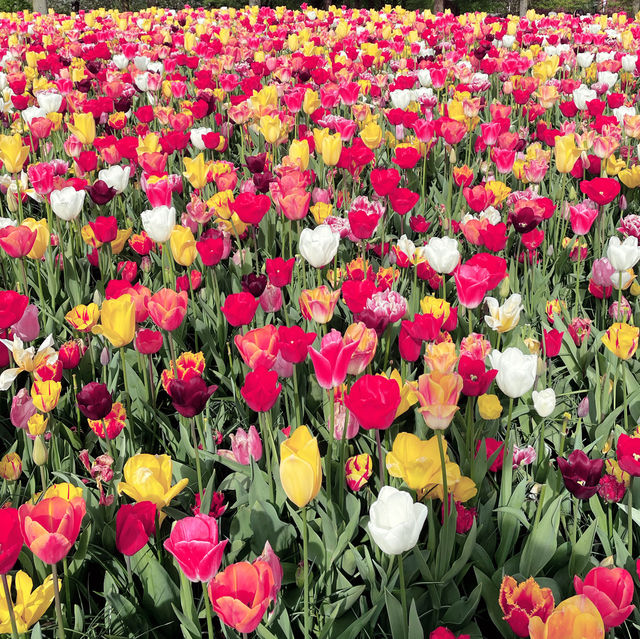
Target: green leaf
[415, 627]
[396, 618]
[542, 542]
[490, 593]
[581, 551]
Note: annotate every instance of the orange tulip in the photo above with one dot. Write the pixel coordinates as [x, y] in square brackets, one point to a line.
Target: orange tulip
[574, 618]
[259, 347]
[521, 602]
[51, 527]
[17, 241]
[318, 303]
[168, 308]
[438, 394]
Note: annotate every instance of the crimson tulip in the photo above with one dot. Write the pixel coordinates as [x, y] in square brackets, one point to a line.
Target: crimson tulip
[374, 400]
[261, 389]
[190, 396]
[239, 308]
[94, 400]
[135, 523]
[10, 539]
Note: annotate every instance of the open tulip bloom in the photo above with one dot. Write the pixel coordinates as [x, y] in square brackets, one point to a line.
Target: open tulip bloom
[336, 283]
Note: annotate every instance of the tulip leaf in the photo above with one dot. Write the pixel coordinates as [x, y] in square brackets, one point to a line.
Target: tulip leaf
[542, 542]
[490, 593]
[508, 524]
[446, 544]
[461, 611]
[459, 564]
[353, 510]
[415, 627]
[396, 619]
[581, 550]
[267, 526]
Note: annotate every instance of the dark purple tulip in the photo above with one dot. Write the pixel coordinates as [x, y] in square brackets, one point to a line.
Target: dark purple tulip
[256, 163]
[581, 474]
[189, 397]
[101, 193]
[94, 401]
[254, 284]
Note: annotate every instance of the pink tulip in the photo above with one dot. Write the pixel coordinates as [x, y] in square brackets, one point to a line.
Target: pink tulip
[332, 361]
[246, 445]
[194, 543]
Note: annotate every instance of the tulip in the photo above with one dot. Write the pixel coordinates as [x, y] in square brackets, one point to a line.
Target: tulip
[194, 544]
[43, 237]
[111, 424]
[12, 308]
[10, 467]
[395, 521]
[261, 389]
[574, 618]
[190, 396]
[628, 454]
[622, 340]
[51, 527]
[475, 378]
[259, 347]
[623, 255]
[196, 171]
[521, 602]
[94, 400]
[367, 339]
[358, 469]
[611, 591]
[83, 127]
[83, 318]
[300, 468]
[239, 308]
[10, 539]
[442, 254]
[246, 445]
[183, 245]
[332, 361]
[319, 245]
[118, 323]
[318, 304]
[331, 148]
[374, 400]
[271, 128]
[489, 407]
[159, 223]
[544, 401]
[135, 523]
[566, 153]
[29, 605]
[45, 395]
[438, 394]
[516, 371]
[580, 474]
[148, 478]
[600, 190]
[241, 594]
[506, 317]
[13, 153]
[67, 203]
[167, 308]
[17, 241]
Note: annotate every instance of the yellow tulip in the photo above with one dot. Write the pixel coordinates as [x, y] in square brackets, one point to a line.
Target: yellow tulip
[299, 153]
[37, 425]
[13, 153]
[566, 153]
[63, 490]
[331, 149]
[30, 604]
[45, 395]
[621, 339]
[43, 237]
[311, 101]
[320, 211]
[300, 468]
[489, 406]
[371, 135]
[196, 171]
[118, 321]
[630, 177]
[83, 318]
[149, 144]
[83, 127]
[574, 618]
[148, 478]
[183, 245]
[11, 467]
[270, 127]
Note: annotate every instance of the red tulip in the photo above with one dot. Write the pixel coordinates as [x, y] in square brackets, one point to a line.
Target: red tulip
[611, 590]
[551, 342]
[105, 228]
[384, 181]
[194, 543]
[240, 308]
[261, 389]
[374, 400]
[190, 396]
[403, 200]
[476, 379]
[601, 190]
[12, 308]
[497, 267]
[251, 208]
[10, 539]
[294, 343]
[279, 270]
[472, 283]
[148, 341]
[628, 454]
[168, 308]
[135, 523]
[51, 527]
[241, 594]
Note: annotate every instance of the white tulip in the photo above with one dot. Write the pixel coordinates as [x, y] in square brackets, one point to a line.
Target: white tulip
[67, 203]
[401, 98]
[442, 254]
[503, 318]
[544, 401]
[623, 255]
[159, 222]
[582, 95]
[584, 60]
[121, 61]
[117, 177]
[49, 101]
[196, 137]
[141, 62]
[607, 77]
[395, 521]
[319, 246]
[629, 63]
[516, 371]
[33, 112]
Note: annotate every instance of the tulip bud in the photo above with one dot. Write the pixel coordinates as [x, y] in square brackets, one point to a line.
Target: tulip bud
[583, 407]
[105, 356]
[504, 287]
[300, 575]
[40, 453]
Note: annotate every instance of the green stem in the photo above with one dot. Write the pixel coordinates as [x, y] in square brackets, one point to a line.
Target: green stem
[403, 593]
[329, 456]
[305, 564]
[207, 608]
[265, 425]
[127, 561]
[630, 517]
[194, 439]
[12, 616]
[56, 593]
[443, 466]
[380, 457]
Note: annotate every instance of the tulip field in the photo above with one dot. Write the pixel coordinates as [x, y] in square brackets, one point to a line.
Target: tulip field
[319, 324]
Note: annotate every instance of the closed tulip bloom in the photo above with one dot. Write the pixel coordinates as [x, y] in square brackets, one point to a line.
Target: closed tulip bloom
[395, 521]
[83, 127]
[246, 445]
[10, 470]
[611, 591]
[358, 469]
[367, 339]
[628, 454]
[13, 152]
[190, 396]
[167, 308]
[300, 467]
[544, 401]
[574, 618]
[318, 304]
[516, 371]
[17, 241]
[51, 527]
[116, 177]
[261, 389]
[196, 171]
[442, 254]
[566, 153]
[331, 149]
[159, 223]
[10, 539]
[118, 321]
[12, 308]
[374, 400]
[94, 400]
[45, 394]
[521, 602]
[438, 394]
[622, 340]
[319, 245]
[270, 127]
[83, 318]
[135, 523]
[194, 544]
[43, 237]
[29, 605]
[623, 255]
[183, 245]
[241, 594]
[506, 317]
[259, 347]
[67, 203]
[148, 478]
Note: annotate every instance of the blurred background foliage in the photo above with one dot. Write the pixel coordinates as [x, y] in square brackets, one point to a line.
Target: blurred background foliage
[500, 7]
